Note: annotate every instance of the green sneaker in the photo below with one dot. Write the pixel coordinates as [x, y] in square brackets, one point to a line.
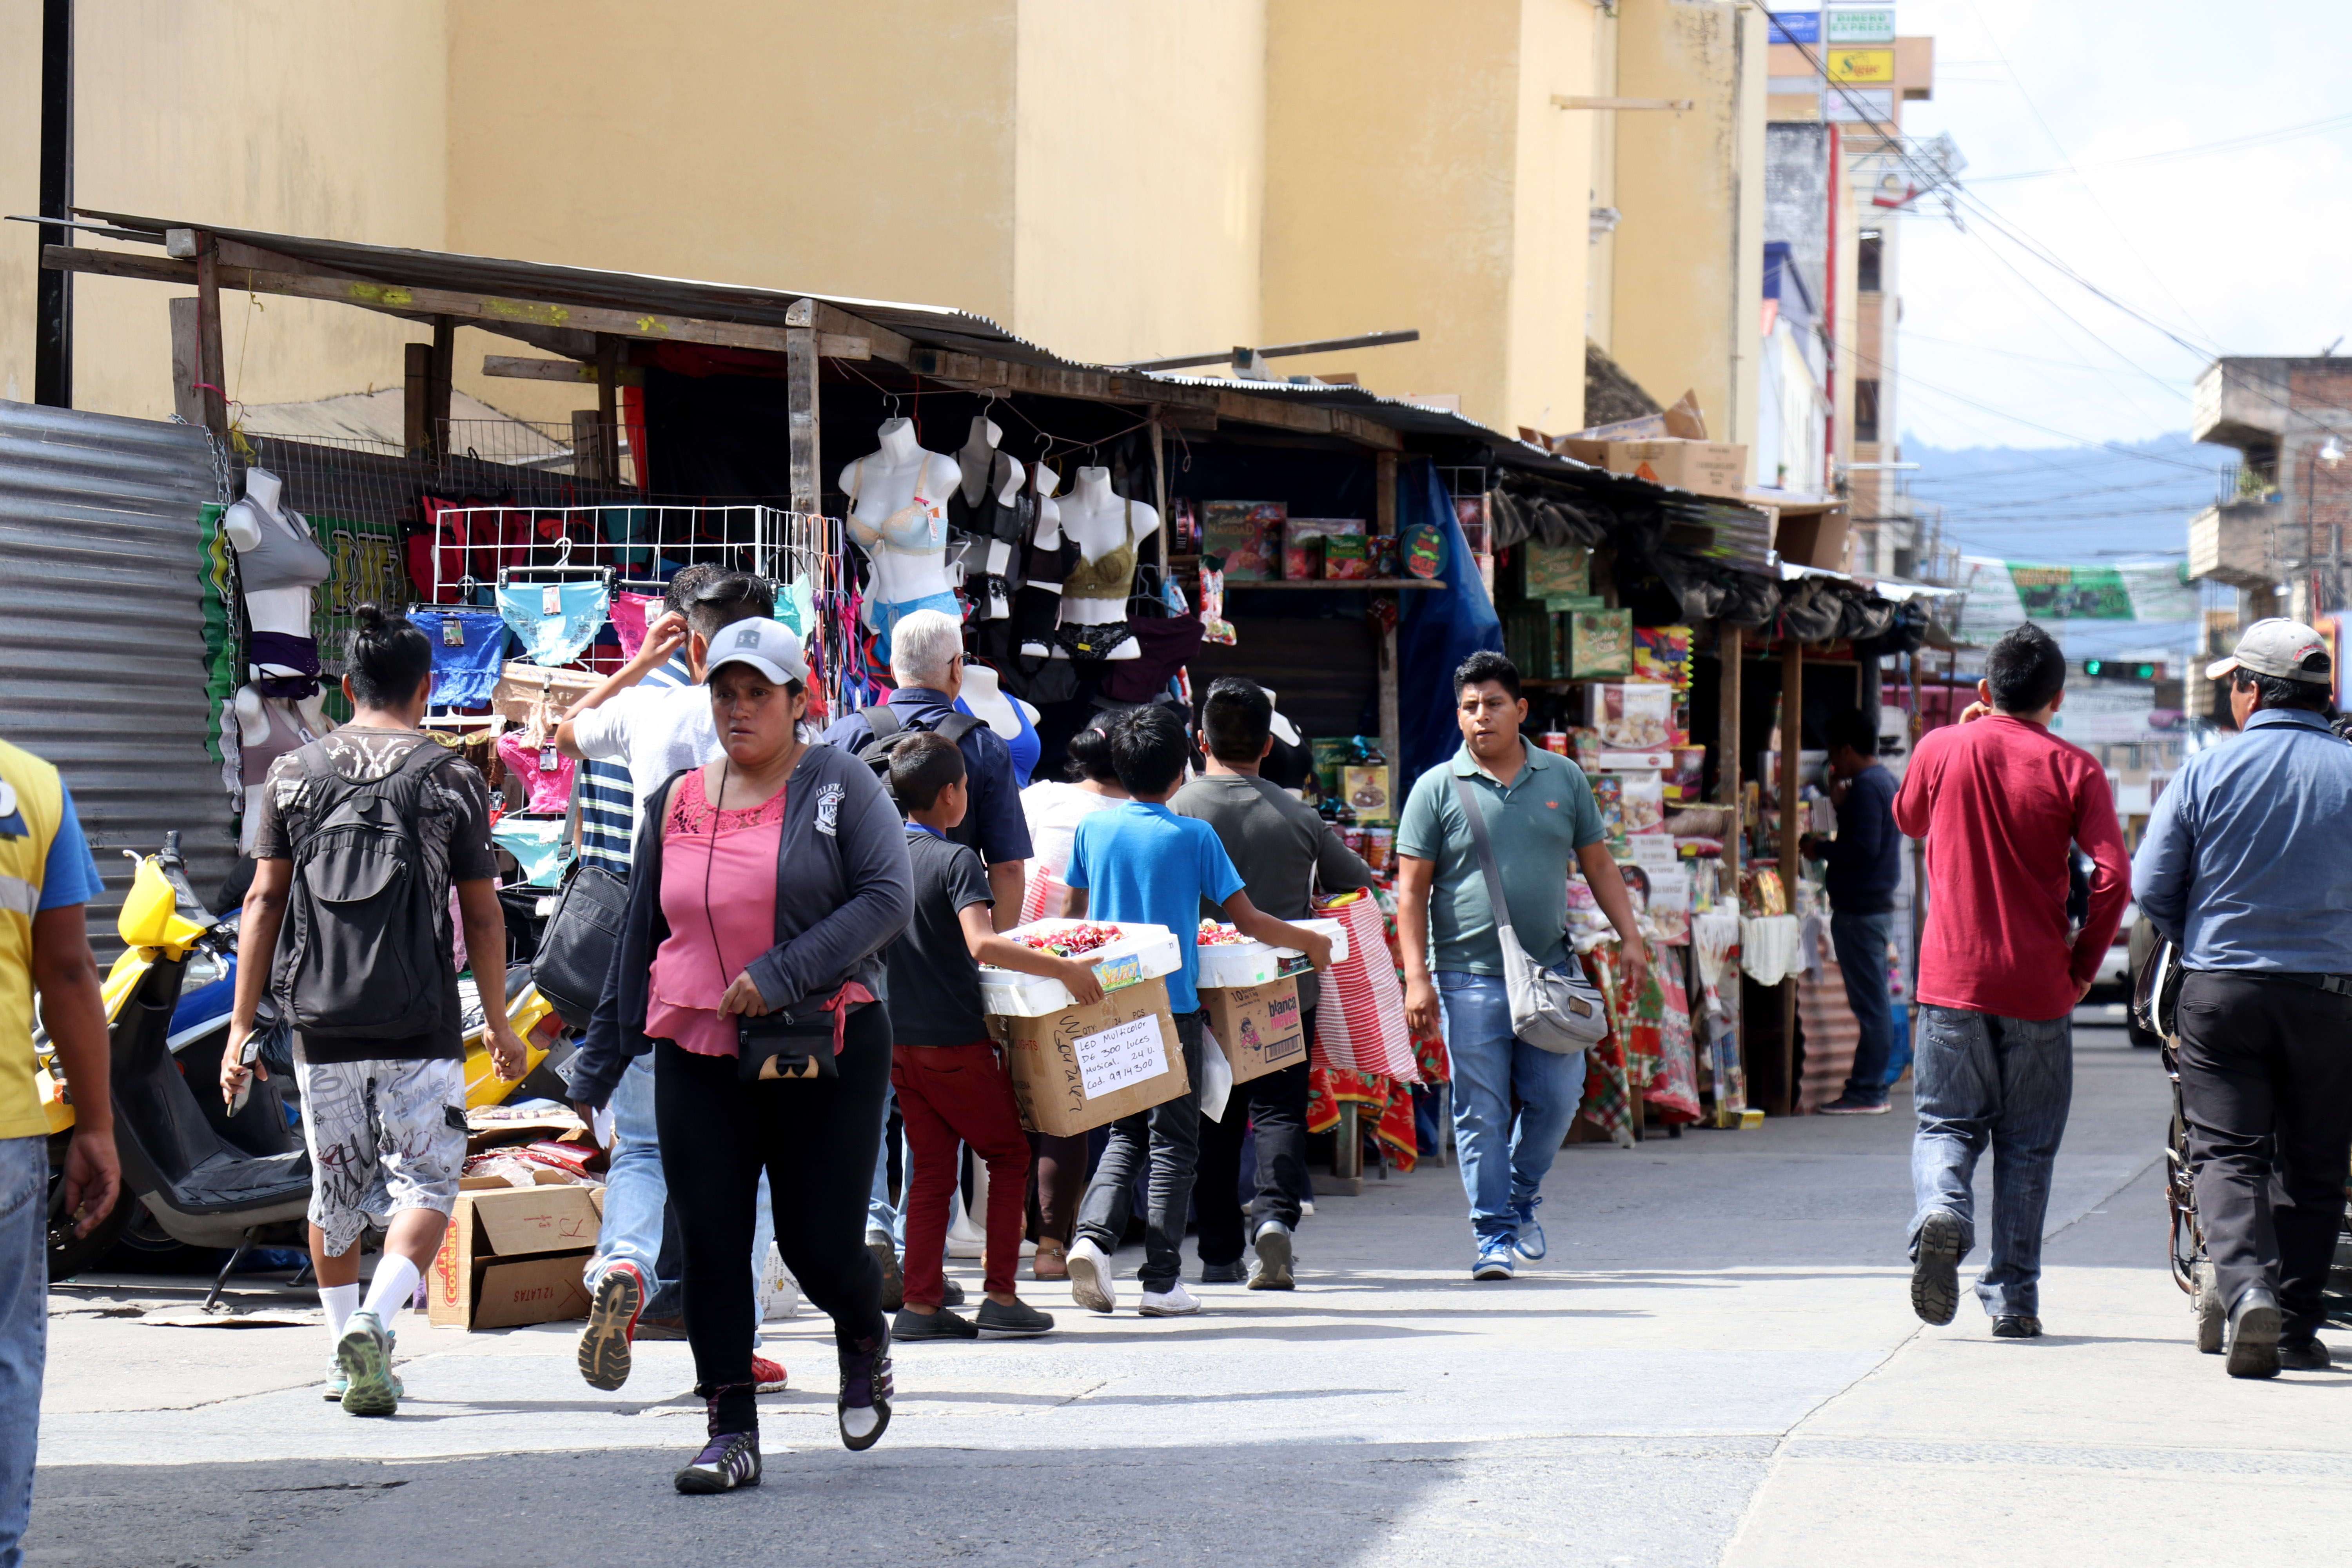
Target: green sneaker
[364, 1357]
[337, 1382]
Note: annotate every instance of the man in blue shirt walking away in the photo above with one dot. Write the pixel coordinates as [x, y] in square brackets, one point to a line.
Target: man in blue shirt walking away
[1864, 867]
[1142, 863]
[2247, 867]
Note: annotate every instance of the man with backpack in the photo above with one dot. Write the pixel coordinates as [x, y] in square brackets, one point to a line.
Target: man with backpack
[927, 662]
[361, 837]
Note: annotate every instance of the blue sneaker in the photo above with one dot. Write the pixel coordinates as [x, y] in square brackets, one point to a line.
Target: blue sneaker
[1495, 1259]
[1530, 1242]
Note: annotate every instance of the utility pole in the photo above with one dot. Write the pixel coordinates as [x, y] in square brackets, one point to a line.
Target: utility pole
[53, 307]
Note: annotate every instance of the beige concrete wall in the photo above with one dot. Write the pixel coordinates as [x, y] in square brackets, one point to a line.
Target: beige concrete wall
[864, 149]
[1140, 182]
[20, 190]
[1688, 253]
[1600, 255]
[1400, 138]
[320, 117]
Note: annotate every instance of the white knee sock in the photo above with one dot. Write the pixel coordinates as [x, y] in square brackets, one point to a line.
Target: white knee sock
[396, 1282]
[341, 1301]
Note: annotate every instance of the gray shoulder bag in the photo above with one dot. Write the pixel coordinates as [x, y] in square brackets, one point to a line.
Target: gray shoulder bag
[1562, 1014]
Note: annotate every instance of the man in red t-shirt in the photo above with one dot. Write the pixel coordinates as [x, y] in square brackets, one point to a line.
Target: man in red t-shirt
[1999, 799]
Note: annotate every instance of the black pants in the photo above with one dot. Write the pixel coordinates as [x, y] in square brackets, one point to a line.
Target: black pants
[816, 1141]
[1165, 1141]
[2267, 1089]
[1276, 1106]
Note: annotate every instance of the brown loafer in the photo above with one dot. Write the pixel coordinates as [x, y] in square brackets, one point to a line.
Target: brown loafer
[1052, 1261]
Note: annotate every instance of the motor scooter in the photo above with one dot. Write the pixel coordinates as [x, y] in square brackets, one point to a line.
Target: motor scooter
[204, 1174]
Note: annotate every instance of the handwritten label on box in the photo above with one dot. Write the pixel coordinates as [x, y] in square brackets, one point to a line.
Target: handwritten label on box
[1121, 1055]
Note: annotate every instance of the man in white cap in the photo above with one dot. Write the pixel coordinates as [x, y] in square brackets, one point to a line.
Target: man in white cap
[2247, 867]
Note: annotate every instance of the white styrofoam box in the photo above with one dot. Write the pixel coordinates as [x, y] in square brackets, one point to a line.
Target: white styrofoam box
[1141, 952]
[1256, 963]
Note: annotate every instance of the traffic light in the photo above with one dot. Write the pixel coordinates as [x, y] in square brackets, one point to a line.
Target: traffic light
[2114, 669]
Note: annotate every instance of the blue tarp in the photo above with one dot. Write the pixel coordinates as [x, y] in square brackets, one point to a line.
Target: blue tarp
[1438, 628]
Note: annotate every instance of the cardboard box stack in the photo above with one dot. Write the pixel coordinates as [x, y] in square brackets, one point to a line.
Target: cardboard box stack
[1074, 1069]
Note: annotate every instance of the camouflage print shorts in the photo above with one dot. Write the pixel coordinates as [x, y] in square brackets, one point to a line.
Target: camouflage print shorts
[384, 1136]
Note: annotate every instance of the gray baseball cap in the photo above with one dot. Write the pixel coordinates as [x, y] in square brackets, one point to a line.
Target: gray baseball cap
[2288, 649]
[768, 647]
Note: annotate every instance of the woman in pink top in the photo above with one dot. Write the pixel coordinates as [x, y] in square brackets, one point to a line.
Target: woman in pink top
[776, 876]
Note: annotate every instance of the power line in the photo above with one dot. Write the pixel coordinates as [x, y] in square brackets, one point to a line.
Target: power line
[2227, 144]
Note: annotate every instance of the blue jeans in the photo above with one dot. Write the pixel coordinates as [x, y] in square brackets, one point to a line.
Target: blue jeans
[1859, 941]
[1504, 1159]
[883, 1218]
[1980, 1080]
[24, 1327]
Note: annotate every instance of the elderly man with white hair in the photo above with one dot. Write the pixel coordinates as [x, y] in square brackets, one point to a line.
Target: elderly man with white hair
[926, 664]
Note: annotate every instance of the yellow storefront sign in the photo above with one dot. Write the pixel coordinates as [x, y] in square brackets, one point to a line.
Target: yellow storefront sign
[1861, 65]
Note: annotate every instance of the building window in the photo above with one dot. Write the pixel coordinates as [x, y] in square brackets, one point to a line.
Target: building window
[1874, 254]
[1866, 411]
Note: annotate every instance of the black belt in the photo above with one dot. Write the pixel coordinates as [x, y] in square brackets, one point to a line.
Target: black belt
[2336, 984]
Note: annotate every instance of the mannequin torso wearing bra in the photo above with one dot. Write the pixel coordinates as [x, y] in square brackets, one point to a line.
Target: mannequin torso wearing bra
[267, 728]
[278, 561]
[1105, 527]
[897, 515]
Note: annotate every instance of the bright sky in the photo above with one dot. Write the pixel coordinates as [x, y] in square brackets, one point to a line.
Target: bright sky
[2234, 250]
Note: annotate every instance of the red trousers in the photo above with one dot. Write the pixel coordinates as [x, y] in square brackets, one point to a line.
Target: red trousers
[950, 1095]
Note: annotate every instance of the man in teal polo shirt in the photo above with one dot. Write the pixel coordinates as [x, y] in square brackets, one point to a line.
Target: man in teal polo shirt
[1541, 817]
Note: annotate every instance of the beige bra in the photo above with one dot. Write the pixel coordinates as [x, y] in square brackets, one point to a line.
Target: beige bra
[919, 528]
[1112, 576]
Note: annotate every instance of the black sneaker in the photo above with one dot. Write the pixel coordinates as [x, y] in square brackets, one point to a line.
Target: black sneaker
[1019, 1318]
[729, 1460]
[950, 1293]
[1936, 1270]
[894, 1282]
[1847, 1105]
[910, 1324]
[1222, 1273]
[2015, 1326]
[2303, 1355]
[863, 1409]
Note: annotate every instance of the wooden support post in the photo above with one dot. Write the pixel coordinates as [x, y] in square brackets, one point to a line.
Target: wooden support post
[186, 400]
[440, 383]
[608, 405]
[1160, 495]
[803, 429]
[416, 402]
[212, 377]
[1727, 725]
[1792, 741]
[1384, 511]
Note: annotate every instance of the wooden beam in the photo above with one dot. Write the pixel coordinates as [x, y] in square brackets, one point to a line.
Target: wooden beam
[440, 381]
[474, 310]
[803, 428]
[515, 368]
[186, 401]
[416, 401]
[1792, 741]
[1384, 511]
[881, 342]
[1727, 640]
[608, 408]
[212, 375]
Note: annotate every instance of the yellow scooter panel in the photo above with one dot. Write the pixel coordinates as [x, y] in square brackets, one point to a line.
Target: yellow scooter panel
[530, 1015]
[150, 918]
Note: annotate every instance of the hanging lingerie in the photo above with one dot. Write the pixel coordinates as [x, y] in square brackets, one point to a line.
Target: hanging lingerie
[919, 528]
[554, 621]
[280, 664]
[286, 555]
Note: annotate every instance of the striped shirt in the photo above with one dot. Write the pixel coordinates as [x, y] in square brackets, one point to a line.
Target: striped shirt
[608, 801]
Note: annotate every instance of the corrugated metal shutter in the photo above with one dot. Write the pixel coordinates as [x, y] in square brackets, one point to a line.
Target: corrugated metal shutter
[101, 632]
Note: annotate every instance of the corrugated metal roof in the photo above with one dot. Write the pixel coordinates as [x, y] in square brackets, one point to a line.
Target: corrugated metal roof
[934, 326]
[102, 633]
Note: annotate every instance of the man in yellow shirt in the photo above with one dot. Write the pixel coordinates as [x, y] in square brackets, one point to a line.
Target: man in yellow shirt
[46, 878]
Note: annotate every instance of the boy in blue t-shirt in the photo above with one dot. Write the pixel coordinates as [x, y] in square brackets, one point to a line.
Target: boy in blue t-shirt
[1142, 864]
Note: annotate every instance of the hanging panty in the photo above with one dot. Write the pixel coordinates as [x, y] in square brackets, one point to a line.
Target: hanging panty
[536, 845]
[466, 647]
[555, 620]
[546, 772]
[281, 664]
[632, 613]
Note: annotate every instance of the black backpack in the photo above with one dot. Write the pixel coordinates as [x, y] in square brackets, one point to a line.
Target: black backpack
[361, 956]
[890, 733]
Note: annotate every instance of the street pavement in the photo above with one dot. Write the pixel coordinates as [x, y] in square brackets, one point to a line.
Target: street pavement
[1717, 1365]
